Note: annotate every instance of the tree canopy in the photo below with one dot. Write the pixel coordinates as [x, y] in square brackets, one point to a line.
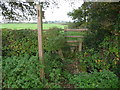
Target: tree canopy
[22, 9]
[19, 9]
[101, 18]
[97, 15]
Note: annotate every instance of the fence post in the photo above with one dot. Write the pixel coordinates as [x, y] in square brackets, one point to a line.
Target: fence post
[40, 48]
[80, 46]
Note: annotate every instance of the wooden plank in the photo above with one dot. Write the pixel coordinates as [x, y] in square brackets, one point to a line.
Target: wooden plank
[73, 45]
[72, 41]
[43, 30]
[46, 30]
[76, 30]
[75, 36]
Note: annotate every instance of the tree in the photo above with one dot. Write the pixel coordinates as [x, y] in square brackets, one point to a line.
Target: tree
[101, 18]
[19, 9]
[79, 15]
[22, 9]
[104, 14]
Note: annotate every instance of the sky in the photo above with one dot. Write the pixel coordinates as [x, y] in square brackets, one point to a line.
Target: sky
[59, 14]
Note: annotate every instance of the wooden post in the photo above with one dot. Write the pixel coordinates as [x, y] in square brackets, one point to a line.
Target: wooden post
[80, 46]
[40, 48]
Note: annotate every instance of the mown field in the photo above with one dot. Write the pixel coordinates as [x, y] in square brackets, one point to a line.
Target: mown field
[29, 26]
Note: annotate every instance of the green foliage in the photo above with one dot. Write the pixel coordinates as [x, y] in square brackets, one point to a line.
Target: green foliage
[19, 42]
[53, 39]
[24, 72]
[73, 25]
[92, 40]
[106, 57]
[21, 72]
[22, 64]
[99, 15]
[101, 42]
[53, 68]
[104, 79]
[26, 41]
[101, 18]
[11, 14]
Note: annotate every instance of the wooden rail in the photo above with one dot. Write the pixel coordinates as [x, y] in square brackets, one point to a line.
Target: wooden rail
[75, 36]
[75, 42]
[76, 30]
[72, 41]
[73, 45]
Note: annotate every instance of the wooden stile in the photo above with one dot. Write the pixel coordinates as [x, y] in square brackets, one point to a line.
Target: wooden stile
[74, 42]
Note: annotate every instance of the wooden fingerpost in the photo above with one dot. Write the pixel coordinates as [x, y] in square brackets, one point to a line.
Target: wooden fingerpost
[40, 48]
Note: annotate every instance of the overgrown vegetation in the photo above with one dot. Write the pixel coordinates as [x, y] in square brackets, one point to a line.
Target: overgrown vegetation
[97, 66]
[21, 69]
[104, 79]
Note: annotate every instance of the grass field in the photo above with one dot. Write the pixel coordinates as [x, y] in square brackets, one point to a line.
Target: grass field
[29, 26]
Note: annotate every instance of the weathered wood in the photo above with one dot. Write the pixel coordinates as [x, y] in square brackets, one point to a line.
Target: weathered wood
[73, 45]
[46, 30]
[43, 30]
[76, 30]
[72, 41]
[40, 48]
[75, 36]
[80, 46]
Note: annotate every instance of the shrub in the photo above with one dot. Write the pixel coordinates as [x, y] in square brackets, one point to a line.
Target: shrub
[24, 71]
[18, 42]
[72, 25]
[20, 59]
[53, 39]
[53, 69]
[21, 72]
[105, 58]
[104, 79]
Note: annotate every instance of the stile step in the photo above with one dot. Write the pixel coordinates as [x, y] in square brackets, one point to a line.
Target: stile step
[74, 41]
[75, 36]
[76, 30]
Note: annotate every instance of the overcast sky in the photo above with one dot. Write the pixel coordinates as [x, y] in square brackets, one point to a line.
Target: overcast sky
[61, 13]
